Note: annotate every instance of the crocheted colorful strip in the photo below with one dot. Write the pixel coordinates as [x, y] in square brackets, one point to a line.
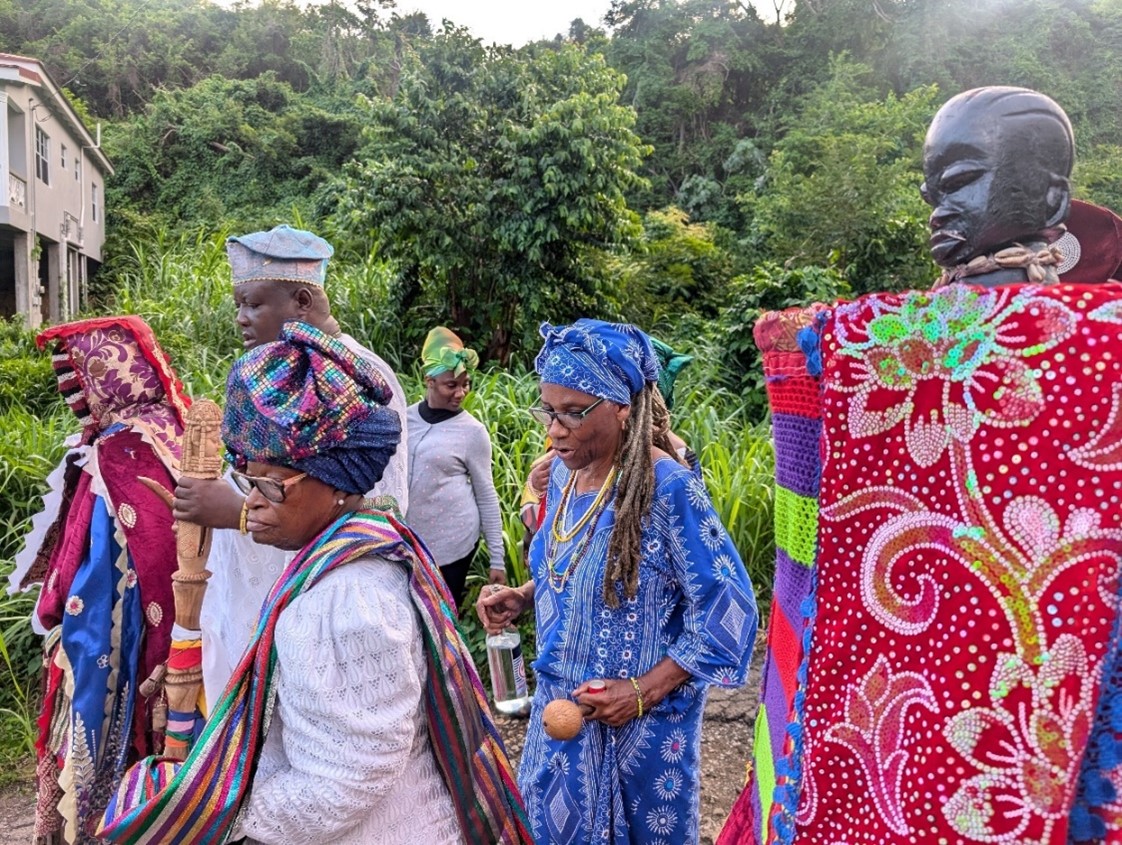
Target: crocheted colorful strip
[796, 520]
[969, 545]
[768, 803]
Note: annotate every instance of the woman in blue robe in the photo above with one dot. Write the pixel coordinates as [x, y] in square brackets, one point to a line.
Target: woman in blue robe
[641, 601]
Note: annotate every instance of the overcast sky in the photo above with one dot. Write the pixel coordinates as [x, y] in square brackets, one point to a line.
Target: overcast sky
[509, 21]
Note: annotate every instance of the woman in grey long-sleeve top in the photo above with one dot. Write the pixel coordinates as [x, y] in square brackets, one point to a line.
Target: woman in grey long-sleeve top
[452, 496]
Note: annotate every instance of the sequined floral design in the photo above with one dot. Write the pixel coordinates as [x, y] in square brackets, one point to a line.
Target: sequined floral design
[964, 345]
[939, 368]
[1104, 449]
[874, 727]
[1027, 749]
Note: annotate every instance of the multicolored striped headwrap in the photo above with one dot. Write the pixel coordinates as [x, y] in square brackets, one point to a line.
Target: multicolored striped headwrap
[196, 802]
[306, 401]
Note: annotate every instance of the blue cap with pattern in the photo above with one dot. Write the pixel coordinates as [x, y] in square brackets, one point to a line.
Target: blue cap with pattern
[282, 254]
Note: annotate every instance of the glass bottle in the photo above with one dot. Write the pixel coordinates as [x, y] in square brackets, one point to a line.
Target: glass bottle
[508, 673]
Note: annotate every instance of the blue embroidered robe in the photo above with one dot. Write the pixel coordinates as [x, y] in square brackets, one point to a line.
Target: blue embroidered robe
[638, 783]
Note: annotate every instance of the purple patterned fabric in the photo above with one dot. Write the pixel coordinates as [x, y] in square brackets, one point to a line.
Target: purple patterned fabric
[111, 370]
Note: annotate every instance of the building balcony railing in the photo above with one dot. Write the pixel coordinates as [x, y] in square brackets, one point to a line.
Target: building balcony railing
[17, 192]
[69, 229]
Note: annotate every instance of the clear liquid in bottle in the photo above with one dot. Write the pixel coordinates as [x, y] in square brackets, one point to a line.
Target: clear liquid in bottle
[508, 673]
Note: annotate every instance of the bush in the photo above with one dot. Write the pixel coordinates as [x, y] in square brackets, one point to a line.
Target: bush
[27, 379]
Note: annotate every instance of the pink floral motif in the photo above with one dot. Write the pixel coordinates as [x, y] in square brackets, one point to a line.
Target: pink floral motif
[1104, 449]
[75, 605]
[942, 366]
[1027, 747]
[874, 731]
[946, 362]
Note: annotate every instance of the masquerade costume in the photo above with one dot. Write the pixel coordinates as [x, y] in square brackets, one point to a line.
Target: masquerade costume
[104, 551]
[944, 658]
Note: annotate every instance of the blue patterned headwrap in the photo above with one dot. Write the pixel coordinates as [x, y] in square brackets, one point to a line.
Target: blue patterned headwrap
[309, 403]
[613, 361]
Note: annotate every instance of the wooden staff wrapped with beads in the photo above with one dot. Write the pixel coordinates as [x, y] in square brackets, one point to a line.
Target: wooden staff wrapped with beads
[202, 458]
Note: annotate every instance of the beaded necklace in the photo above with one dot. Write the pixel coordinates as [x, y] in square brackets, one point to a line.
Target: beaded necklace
[562, 536]
[558, 580]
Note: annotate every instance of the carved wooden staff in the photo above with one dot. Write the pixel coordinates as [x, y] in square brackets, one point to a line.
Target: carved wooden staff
[202, 458]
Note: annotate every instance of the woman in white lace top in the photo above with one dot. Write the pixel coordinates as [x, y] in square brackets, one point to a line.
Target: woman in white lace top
[356, 703]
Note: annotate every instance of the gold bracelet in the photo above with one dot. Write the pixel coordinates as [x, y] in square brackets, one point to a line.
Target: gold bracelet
[638, 696]
[244, 517]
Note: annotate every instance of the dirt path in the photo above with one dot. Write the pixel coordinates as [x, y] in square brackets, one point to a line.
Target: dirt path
[726, 742]
[17, 813]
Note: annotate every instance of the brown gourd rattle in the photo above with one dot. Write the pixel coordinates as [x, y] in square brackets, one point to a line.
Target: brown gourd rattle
[562, 717]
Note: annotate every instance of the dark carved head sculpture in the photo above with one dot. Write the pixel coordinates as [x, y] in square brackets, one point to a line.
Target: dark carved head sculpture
[996, 166]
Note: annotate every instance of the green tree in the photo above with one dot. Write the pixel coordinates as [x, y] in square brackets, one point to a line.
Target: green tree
[676, 266]
[768, 287]
[241, 152]
[486, 178]
[698, 76]
[842, 184]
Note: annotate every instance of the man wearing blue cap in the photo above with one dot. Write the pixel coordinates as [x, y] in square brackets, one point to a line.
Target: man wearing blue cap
[278, 276]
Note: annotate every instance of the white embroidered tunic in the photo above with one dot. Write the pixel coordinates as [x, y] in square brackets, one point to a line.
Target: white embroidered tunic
[347, 758]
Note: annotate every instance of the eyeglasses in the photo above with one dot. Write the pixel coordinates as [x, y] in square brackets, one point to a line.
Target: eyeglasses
[569, 419]
[272, 489]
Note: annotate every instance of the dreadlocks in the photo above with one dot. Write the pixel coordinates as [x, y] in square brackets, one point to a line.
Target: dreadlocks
[648, 425]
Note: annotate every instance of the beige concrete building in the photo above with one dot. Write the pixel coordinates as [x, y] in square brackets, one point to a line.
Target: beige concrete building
[52, 197]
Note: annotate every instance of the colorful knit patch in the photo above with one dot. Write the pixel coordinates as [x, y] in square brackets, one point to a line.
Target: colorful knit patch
[767, 806]
[796, 520]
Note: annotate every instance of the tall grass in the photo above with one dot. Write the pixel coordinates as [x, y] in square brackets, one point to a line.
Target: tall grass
[31, 448]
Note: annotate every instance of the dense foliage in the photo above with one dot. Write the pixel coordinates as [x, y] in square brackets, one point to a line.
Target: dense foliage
[631, 166]
[486, 177]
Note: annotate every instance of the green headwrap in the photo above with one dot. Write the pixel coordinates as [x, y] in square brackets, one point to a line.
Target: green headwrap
[671, 363]
[444, 352]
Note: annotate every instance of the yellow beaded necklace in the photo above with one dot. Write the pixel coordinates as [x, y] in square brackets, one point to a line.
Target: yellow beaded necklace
[563, 508]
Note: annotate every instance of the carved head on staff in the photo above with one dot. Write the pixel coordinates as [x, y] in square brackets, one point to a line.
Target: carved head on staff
[997, 163]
